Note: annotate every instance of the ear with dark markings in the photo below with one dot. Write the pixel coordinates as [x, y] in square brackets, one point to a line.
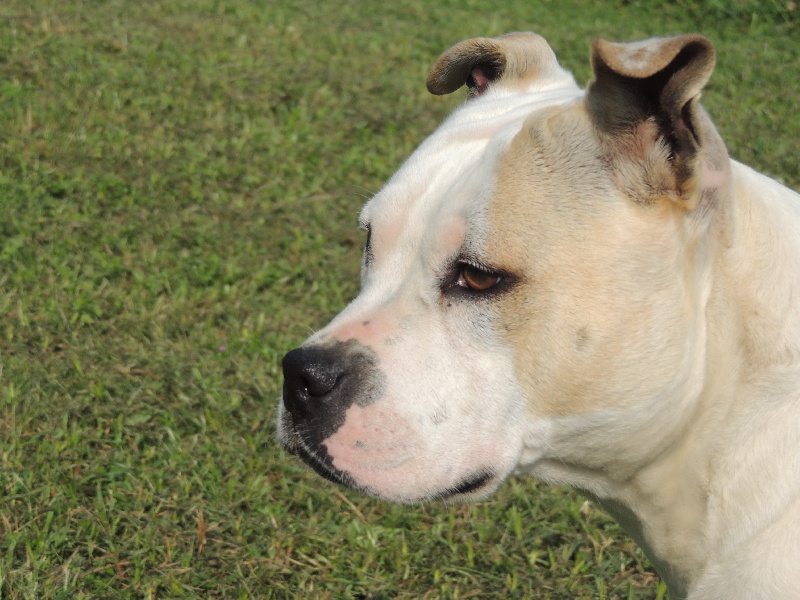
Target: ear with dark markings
[516, 60]
[644, 102]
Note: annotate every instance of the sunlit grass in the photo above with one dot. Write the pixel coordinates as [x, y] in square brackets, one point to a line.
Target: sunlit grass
[179, 185]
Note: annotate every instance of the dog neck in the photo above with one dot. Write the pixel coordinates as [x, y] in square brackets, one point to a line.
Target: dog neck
[693, 501]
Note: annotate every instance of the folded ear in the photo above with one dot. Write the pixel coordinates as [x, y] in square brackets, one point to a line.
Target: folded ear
[515, 60]
[644, 102]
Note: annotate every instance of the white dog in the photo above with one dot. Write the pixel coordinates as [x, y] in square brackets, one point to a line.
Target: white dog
[579, 285]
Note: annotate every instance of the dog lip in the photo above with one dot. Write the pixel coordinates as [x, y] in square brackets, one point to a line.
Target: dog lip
[293, 442]
[319, 466]
[469, 485]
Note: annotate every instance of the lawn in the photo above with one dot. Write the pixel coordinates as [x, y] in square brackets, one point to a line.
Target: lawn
[179, 186]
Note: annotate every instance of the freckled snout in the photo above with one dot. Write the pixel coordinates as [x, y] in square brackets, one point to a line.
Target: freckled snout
[339, 418]
[321, 381]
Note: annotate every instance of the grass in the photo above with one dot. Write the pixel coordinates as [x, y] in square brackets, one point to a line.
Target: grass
[179, 183]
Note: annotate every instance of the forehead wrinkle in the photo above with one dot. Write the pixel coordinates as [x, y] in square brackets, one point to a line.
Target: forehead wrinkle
[475, 133]
[457, 228]
[452, 170]
[411, 207]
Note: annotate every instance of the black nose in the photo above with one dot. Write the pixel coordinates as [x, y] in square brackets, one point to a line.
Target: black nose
[311, 377]
[322, 381]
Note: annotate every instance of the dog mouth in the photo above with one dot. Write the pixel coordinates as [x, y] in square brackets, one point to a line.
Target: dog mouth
[469, 486]
[474, 483]
[316, 457]
[318, 460]
[321, 467]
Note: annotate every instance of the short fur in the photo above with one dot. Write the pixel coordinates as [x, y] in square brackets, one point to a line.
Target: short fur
[642, 341]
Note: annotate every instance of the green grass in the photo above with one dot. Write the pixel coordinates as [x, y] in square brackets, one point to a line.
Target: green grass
[179, 185]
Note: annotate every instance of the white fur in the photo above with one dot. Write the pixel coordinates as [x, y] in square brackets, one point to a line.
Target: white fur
[692, 441]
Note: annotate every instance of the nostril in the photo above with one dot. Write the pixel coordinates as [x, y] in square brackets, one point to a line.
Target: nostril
[319, 382]
[309, 377]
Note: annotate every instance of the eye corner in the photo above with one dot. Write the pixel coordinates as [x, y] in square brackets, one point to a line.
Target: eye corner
[368, 255]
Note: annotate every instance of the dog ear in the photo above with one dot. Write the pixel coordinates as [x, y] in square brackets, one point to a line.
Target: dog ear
[516, 59]
[644, 102]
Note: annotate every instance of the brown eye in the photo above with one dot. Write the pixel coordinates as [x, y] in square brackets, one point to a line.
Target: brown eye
[477, 279]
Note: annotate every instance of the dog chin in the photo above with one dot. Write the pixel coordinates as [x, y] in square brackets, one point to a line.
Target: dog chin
[472, 488]
[474, 485]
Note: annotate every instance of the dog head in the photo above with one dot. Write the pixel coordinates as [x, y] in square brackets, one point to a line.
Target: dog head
[533, 280]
